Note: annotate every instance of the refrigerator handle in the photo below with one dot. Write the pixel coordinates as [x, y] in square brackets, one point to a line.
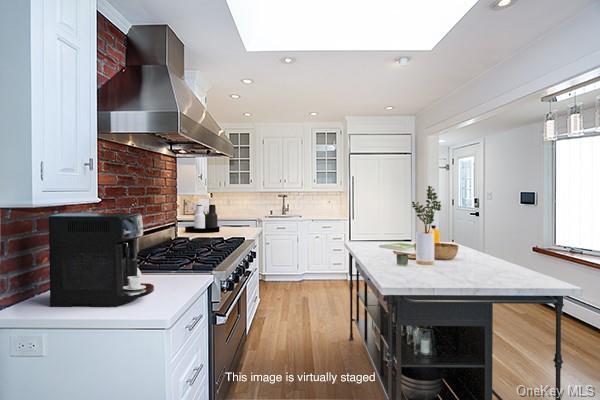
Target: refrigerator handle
[352, 198]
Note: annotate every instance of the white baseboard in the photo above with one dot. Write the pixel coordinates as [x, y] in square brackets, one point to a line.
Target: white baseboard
[305, 276]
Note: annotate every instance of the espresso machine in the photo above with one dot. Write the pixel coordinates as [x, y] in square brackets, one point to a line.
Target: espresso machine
[93, 259]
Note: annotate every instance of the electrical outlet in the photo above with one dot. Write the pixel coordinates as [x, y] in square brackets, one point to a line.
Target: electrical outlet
[27, 346]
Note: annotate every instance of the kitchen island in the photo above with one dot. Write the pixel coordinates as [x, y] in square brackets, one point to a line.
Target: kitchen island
[454, 299]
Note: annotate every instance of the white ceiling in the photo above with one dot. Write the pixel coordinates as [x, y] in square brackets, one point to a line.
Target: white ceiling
[342, 83]
[527, 111]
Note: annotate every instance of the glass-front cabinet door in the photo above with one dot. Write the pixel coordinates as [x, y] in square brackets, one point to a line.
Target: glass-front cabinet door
[240, 165]
[326, 159]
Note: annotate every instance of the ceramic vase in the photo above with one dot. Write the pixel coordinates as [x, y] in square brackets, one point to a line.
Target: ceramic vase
[425, 248]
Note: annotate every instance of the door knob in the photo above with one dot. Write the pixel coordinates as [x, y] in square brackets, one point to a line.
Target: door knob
[476, 213]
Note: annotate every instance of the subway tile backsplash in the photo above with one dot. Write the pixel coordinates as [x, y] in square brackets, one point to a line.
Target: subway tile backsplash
[254, 204]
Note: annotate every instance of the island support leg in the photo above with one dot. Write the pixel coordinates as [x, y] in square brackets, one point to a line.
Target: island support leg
[558, 356]
[350, 276]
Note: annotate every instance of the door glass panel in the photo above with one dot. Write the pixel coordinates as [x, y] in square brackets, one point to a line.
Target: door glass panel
[234, 138]
[321, 138]
[331, 177]
[244, 139]
[234, 165]
[234, 178]
[321, 177]
[321, 165]
[245, 178]
[244, 152]
[236, 152]
[466, 181]
[244, 165]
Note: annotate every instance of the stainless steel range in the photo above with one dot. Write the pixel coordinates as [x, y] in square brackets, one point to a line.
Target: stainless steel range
[231, 263]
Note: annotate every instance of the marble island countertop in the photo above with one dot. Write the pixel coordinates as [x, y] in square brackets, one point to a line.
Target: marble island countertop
[471, 273]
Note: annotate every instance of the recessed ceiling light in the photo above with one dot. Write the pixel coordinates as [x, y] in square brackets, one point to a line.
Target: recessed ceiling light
[234, 96]
[247, 81]
[313, 113]
[388, 108]
[402, 60]
[500, 4]
[247, 114]
[288, 60]
[385, 24]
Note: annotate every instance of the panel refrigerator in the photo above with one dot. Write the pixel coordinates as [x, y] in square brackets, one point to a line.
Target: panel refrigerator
[380, 193]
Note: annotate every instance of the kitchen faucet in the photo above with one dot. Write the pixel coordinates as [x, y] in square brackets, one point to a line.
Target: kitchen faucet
[284, 209]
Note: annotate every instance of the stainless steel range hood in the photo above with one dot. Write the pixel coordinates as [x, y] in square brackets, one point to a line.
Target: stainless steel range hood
[149, 105]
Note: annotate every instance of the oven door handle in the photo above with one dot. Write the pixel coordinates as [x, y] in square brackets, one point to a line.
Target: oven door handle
[222, 319]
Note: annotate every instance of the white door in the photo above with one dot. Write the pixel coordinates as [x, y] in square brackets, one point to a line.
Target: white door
[317, 259]
[467, 187]
[217, 173]
[281, 254]
[272, 163]
[380, 197]
[69, 126]
[292, 163]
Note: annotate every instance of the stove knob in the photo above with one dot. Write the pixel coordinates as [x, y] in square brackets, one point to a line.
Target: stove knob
[246, 264]
[253, 254]
[227, 286]
[235, 277]
[240, 270]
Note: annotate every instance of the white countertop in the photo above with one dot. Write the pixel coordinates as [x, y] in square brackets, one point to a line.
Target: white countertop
[318, 217]
[172, 296]
[471, 273]
[224, 232]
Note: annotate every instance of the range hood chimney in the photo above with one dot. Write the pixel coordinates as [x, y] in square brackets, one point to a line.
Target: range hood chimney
[149, 105]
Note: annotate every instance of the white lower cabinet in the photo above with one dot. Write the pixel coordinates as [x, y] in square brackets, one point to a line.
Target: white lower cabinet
[116, 363]
[281, 253]
[307, 249]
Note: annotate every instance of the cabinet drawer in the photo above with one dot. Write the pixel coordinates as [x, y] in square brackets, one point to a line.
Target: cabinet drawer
[337, 262]
[194, 319]
[283, 227]
[336, 249]
[189, 376]
[326, 226]
[336, 238]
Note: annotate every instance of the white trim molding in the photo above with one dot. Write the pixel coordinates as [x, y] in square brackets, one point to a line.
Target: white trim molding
[113, 15]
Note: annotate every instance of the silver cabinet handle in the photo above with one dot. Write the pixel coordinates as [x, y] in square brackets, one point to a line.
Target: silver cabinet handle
[190, 327]
[337, 263]
[338, 249]
[89, 164]
[326, 227]
[280, 227]
[222, 319]
[195, 373]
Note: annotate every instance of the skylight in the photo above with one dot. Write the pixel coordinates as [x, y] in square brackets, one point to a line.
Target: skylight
[305, 25]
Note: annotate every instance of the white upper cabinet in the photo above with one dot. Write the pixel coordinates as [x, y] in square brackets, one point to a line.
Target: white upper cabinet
[217, 173]
[192, 175]
[326, 159]
[282, 163]
[48, 103]
[241, 165]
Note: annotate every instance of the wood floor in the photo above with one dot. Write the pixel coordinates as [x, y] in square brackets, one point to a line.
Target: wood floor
[303, 327]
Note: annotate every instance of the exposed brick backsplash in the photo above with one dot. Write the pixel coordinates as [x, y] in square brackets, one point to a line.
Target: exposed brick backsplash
[130, 180]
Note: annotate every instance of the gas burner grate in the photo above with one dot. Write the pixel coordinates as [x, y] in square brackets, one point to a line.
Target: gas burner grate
[199, 254]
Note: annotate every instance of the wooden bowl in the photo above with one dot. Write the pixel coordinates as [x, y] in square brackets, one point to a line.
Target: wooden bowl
[445, 251]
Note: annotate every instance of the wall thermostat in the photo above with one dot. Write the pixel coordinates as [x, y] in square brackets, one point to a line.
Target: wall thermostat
[528, 198]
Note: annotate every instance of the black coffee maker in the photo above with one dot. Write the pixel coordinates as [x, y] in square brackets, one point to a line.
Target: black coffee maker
[93, 259]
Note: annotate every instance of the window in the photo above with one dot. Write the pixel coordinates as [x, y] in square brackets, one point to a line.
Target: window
[466, 179]
[239, 164]
[577, 193]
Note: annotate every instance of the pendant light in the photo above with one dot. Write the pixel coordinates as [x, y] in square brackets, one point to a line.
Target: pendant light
[550, 124]
[575, 119]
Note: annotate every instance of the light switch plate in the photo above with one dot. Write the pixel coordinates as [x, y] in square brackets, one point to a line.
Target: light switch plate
[27, 346]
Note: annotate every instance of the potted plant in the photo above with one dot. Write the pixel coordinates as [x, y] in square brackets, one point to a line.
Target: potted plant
[425, 246]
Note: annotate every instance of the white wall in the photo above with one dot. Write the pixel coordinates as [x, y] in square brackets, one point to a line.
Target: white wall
[514, 162]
